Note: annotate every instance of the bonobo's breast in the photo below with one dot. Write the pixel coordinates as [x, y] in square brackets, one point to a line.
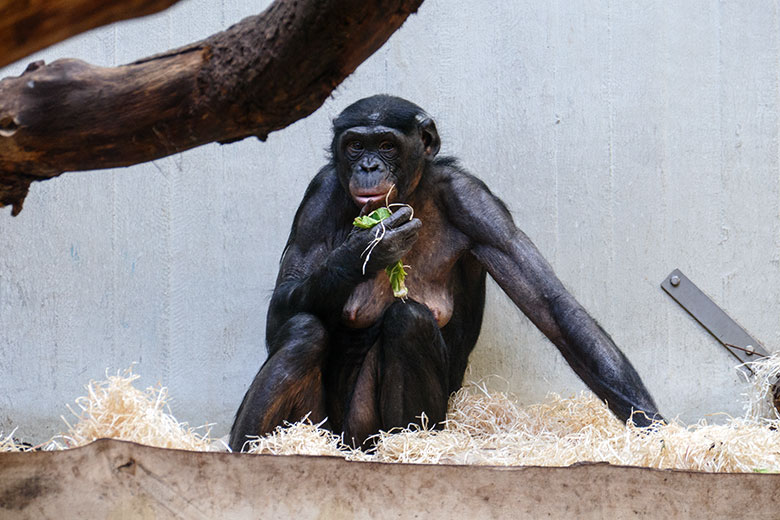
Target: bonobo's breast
[429, 280]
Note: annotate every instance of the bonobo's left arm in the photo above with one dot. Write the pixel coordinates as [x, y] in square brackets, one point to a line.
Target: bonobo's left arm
[519, 268]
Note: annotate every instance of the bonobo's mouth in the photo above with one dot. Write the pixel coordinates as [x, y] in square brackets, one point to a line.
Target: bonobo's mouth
[370, 198]
[368, 202]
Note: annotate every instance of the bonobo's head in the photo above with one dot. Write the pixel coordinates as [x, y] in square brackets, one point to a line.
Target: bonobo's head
[380, 142]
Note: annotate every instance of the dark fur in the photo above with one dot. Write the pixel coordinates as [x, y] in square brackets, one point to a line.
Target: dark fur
[343, 350]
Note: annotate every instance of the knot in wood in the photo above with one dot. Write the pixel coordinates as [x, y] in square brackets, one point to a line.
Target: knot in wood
[8, 125]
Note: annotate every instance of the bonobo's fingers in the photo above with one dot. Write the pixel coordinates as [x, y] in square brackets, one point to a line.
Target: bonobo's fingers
[395, 244]
[384, 244]
[400, 216]
[404, 235]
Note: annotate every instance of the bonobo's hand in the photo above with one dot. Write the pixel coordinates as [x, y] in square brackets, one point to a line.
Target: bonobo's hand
[400, 234]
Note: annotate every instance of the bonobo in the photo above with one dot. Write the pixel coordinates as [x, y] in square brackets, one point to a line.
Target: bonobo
[344, 350]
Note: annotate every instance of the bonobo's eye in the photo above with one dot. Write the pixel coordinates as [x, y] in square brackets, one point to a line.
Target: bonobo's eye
[387, 148]
[354, 148]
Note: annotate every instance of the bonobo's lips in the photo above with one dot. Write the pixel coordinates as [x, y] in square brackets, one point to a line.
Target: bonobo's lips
[370, 198]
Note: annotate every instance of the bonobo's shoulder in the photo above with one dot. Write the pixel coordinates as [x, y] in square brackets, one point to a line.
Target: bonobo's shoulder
[446, 167]
[325, 182]
[324, 199]
[324, 188]
[465, 198]
[324, 211]
[449, 174]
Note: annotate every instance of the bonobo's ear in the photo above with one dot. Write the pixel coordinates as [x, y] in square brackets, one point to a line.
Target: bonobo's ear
[430, 137]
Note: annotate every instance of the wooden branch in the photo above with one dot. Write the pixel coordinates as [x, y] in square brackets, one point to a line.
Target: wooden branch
[30, 25]
[258, 76]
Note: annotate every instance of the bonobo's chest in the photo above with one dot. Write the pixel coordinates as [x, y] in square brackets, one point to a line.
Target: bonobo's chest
[430, 273]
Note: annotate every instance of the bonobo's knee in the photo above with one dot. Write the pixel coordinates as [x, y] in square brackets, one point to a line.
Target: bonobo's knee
[410, 329]
[307, 325]
[409, 317]
[303, 336]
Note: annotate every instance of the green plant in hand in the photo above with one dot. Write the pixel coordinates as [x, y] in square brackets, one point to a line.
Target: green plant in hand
[372, 219]
[395, 272]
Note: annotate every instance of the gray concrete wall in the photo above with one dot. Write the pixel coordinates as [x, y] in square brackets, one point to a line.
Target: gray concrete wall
[628, 138]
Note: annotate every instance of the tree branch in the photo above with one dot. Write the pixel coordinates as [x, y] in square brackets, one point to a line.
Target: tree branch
[258, 76]
[31, 25]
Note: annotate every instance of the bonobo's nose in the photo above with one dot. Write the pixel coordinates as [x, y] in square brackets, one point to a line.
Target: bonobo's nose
[369, 166]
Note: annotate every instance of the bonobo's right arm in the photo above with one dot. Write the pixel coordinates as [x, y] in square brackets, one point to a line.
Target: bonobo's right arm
[322, 261]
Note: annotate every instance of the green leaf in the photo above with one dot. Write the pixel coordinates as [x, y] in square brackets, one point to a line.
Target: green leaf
[365, 222]
[380, 214]
[372, 219]
[397, 275]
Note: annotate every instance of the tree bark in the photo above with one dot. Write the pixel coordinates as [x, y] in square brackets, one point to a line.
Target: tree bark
[258, 76]
[30, 25]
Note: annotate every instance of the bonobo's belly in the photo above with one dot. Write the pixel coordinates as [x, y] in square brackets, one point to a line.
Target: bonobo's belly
[371, 298]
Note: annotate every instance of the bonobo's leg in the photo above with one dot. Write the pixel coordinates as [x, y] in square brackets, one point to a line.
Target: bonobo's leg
[288, 385]
[404, 375]
[413, 366]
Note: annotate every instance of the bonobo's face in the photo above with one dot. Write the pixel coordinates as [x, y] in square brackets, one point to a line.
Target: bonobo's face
[380, 147]
[378, 164]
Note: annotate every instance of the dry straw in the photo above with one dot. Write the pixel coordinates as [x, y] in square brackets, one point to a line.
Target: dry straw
[482, 427]
[114, 408]
[10, 443]
[491, 428]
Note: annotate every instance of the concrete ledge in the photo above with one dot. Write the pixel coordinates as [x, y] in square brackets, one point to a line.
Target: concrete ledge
[114, 479]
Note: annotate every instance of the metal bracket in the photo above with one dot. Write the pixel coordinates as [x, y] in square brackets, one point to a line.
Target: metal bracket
[742, 345]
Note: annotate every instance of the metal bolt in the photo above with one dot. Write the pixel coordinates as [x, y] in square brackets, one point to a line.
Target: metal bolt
[675, 280]
[750, 349]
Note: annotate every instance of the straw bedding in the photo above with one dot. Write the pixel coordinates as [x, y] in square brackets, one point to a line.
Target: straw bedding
[483, 427]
